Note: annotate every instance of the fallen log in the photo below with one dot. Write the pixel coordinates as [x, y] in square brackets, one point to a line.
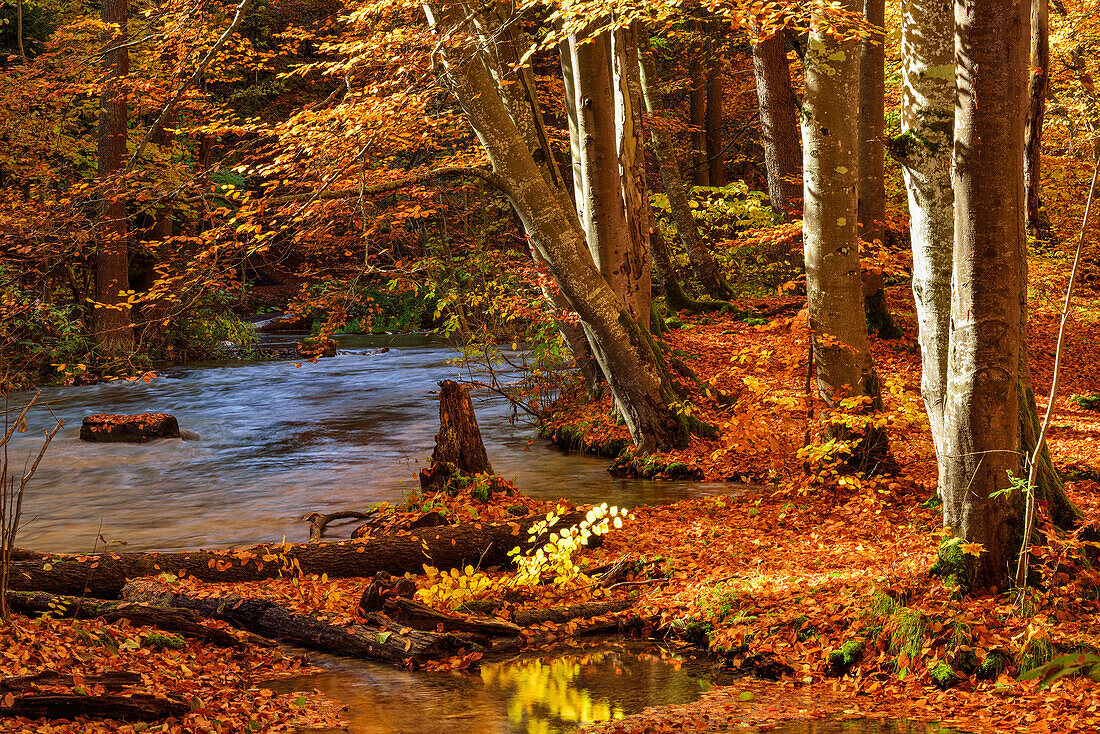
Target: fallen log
[421, 616]
[381, 588]
[318, 522]
[112, 680]
[561, 615]
[266, 618]
[170, 619]
[445, 547]
[134, 707]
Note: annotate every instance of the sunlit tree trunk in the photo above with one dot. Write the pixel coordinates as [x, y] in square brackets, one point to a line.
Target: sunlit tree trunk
[924, 150]
[981, 417]
[114, 332]
[842, 354]
[872, 172]
[778, 123]
[627, 354]
[702, 261]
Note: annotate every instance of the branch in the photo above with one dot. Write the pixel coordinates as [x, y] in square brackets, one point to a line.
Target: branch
[242, 8]
[1029, 515]
[386, 186]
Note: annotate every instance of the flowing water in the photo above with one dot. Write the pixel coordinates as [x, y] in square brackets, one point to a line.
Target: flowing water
[278, 440]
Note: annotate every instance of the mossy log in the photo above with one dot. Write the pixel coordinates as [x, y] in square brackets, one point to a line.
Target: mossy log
[171, 619]
[445, 547]
[409, 648]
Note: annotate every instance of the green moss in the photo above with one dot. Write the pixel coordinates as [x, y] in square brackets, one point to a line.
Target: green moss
[163, 641]
[840, 661]
[943, 676]
[994, 664]
[951, 564]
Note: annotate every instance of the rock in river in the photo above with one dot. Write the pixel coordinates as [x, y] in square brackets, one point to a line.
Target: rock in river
[107, 428]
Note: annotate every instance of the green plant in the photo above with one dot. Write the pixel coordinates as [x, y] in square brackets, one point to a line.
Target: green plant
[1088, 402]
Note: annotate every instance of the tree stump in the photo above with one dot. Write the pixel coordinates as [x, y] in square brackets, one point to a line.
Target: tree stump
[458, 445]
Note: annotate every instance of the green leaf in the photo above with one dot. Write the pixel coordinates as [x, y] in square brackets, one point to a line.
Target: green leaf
[383, 636]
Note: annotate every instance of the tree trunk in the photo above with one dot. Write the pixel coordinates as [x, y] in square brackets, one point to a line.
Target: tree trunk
[982, 423]
[131, 707]
[611, 240]
[1039, 81]
[703, 263]
[842, 354]
[924, 150]
[636, 266]
[872, 169]
[716, 156]
[778, 124]
[112, 317]
[626, 353]
[697, 114]
[458, 445]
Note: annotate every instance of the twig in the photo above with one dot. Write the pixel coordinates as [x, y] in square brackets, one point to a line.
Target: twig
[1033, 470]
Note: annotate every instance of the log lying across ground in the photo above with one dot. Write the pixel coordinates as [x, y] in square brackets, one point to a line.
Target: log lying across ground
[133, 707]
[186, 622]
[445, 547]
[111, 680]
[270, 620]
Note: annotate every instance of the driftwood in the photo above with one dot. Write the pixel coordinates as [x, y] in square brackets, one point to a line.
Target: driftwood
[133, 707]
[318, 521]
[170, 619]
[270, 620]
[453, 546]
[111, 680]
[387, 524]
[382, 588]
[458, 445]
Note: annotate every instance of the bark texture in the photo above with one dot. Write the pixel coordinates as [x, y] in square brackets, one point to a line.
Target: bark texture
[716, 154]
[924, 150]
[1038, 83]
[626, 355]
[112, 317]
[458, 445]
[778, 124]
[445, 547]
[842, 353]
[982, 422]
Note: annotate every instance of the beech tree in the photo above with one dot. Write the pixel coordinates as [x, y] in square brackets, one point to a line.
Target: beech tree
[778, 123]
[834, 288]
[625, 351]
[112, 316]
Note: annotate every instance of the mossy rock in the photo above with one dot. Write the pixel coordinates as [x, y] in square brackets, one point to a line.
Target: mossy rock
[994, 664]
[841, 661]
[943, 676]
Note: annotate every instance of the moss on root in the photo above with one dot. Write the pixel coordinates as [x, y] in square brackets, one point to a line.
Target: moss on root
[943, 676]
[632, 464]
[840, 661]
[951, 564]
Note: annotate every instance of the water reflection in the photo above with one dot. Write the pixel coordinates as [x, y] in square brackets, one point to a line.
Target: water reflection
[279, 441]
[529, 694]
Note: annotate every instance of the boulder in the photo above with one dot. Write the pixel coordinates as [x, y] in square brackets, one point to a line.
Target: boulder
[107, 428]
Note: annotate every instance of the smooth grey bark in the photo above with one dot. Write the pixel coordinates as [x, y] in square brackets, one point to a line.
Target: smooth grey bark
[702, 261]
[778, 123]
[924, 150]
[113, 329]
[982, 413]
[625, 351]
[841, 350]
